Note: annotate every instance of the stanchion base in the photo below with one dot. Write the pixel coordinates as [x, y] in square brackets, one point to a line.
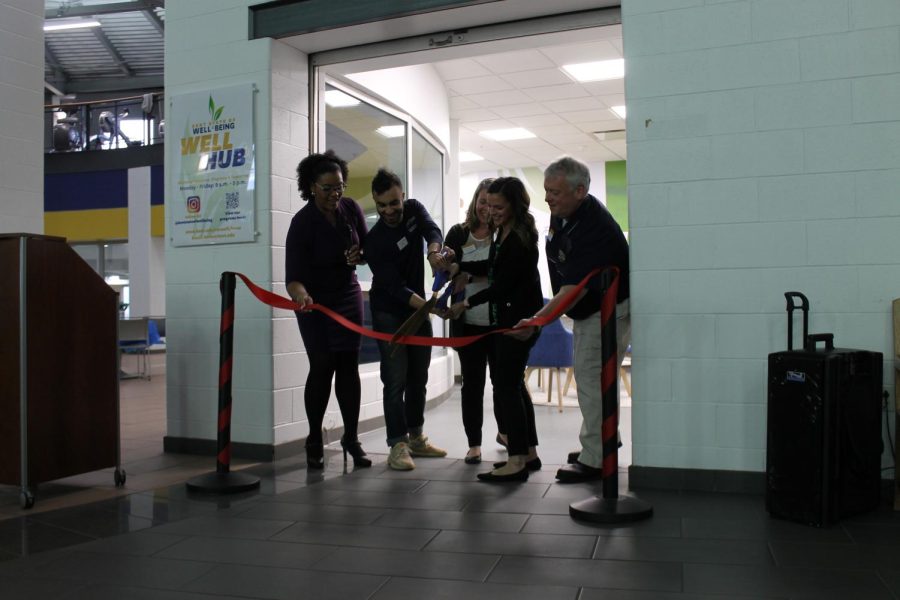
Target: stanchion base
[622, 509]
[222, 483]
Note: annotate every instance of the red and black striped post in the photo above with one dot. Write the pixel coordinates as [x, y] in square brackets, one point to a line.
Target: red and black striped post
[223, 481]
[611, 507]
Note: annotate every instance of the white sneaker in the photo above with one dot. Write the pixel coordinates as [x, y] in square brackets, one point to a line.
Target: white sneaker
[420, 446]
[399, 458]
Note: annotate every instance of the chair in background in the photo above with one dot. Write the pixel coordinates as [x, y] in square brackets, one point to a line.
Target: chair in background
[134, 339]
[553, 351]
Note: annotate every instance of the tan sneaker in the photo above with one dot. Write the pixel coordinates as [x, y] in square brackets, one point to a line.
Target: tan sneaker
[399, 458]
[420, 446]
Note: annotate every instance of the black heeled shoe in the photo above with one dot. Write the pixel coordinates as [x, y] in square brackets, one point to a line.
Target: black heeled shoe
[315, 456]
[532, 465]
[492, 478]
[354, 448]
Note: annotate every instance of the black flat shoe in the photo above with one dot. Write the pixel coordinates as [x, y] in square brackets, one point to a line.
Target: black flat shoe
[578, 473]
[315, 456]
[532, 465]
[472, 460]
[354, 448]
[517, 476]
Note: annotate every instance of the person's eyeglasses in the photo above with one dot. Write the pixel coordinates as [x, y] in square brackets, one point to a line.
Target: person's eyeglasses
[330, 189]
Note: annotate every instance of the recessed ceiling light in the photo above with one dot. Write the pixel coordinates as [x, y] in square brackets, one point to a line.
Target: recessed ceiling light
[505, 135]
[619, 111]
[58, 25]
[469, 156]
[338, 99]
[391, 131]
[600, 70]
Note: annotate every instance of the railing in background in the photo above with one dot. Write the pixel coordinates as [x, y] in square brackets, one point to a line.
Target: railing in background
[104, 124]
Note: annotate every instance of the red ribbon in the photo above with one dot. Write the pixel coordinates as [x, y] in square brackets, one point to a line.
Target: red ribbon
[276, 301]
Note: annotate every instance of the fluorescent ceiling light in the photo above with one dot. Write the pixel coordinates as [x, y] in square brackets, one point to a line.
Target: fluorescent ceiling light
[505, 135]
[58, 25]
[619, 111]
[600, 70]
[469, 156]
[391, 131]
[338, 99]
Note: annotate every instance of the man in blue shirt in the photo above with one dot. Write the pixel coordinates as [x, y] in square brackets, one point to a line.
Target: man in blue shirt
[393, 249]
[584, 236]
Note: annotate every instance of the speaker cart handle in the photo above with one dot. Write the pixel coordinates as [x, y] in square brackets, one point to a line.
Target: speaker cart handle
[813, 339]
[804, 306]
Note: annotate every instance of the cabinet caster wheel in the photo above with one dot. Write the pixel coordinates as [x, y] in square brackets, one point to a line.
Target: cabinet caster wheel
[27, 499]
[119, 477]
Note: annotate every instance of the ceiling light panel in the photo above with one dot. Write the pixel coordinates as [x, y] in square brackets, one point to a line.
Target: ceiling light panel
[505, 135]
[601, 70]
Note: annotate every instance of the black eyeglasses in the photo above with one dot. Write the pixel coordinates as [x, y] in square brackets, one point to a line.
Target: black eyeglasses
[330, 189]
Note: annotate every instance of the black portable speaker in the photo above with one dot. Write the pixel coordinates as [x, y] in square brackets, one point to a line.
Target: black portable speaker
[823, 454]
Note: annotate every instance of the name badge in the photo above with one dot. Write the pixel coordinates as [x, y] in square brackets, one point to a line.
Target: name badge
[402, 243]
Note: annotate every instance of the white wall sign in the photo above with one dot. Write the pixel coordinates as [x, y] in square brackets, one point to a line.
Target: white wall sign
[212, 196]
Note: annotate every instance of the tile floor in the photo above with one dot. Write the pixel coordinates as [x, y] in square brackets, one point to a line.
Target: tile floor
[433, 533]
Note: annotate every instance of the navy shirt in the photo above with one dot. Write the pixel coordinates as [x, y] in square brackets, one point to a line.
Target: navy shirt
[395, 256]
[590, 238]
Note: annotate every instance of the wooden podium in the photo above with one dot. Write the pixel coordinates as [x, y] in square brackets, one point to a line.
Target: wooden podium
[59, 394]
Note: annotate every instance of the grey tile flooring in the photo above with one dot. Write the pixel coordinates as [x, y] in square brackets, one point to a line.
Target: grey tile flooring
[434, 532]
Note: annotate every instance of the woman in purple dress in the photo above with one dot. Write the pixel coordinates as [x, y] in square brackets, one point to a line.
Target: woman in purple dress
[321, 253]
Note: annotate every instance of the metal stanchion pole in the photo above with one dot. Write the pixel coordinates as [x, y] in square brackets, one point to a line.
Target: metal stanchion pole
[611, 507]
[223, 481]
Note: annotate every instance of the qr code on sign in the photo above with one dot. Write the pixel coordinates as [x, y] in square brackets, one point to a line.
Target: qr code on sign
[232, 199]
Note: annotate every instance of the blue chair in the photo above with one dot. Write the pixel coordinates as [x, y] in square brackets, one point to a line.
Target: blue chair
[554, 350]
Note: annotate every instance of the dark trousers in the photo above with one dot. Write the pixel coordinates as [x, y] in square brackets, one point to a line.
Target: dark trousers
[404, 373]
[344, 367]
[510, 356]
[472, 362]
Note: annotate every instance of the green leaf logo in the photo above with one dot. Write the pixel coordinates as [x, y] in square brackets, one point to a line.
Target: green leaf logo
[214, 112]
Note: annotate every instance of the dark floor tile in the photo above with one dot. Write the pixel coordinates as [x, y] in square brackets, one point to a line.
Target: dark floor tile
[704, 505]
[35, 588]
[287, 584]
[141, 543]
[364, 536]
[684, 550]
[409, 563]
[93, 521]
[157, 509]
[763, 528]
[224, 526]
[649, 576]
[536, 506]
[112, 592]
[822, 584]
[524, 544]
[370, 484]
[455, 520]
[407, 501]
[834, 556]
[283, 511]
[23, 536]
[480, 489]
[442, 589]
[246, 552]
[314, 494]
[881, 534]
[600, 594]
[654, 527]
[892, 580]
[138, 571]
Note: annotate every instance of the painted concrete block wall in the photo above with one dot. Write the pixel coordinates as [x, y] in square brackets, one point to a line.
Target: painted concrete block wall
[763, 156]
[21, 116]
[207, 48]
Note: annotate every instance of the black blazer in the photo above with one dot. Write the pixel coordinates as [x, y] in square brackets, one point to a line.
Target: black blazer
[515, 285]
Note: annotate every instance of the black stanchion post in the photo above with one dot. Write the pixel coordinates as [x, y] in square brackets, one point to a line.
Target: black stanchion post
[223, 481]
[611, 507]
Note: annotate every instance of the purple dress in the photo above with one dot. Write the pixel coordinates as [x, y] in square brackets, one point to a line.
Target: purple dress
[314, 256]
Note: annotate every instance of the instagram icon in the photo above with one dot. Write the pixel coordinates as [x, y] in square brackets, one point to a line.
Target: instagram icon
[193, 204]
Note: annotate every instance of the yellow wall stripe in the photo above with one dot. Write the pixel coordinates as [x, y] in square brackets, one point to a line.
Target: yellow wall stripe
[88, 225]
[158, 220]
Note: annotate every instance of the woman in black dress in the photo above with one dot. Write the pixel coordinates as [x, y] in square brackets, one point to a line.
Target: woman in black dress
[513, 294]
[321, 254]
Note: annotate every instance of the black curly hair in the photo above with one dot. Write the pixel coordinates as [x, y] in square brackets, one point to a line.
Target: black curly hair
[314, 165]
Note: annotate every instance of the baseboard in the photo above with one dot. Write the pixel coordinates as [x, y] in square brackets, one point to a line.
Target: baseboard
[270, 452]
[707, 480]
